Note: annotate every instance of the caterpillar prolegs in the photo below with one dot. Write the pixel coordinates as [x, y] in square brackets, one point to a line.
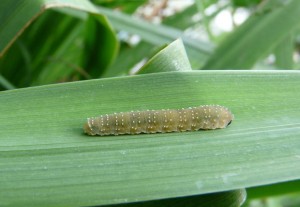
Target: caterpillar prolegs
[154, 121]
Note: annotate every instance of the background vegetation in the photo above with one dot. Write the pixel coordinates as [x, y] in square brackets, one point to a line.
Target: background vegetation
[149, 55]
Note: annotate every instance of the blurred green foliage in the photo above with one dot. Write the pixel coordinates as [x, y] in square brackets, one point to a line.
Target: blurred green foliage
[68, 45]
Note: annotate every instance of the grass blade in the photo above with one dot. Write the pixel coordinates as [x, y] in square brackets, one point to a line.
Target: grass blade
[45, 157]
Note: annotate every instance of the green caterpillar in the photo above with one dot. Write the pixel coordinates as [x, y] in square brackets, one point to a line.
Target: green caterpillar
[155, 121]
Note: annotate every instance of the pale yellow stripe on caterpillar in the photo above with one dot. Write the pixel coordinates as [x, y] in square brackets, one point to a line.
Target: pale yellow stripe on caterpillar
[160, 121]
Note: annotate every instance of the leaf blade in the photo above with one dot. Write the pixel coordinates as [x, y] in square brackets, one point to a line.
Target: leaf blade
[42, 140]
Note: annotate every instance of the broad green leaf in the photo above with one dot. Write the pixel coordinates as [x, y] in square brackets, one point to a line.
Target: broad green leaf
[171, 58]
[258, 36]
[45, 159]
